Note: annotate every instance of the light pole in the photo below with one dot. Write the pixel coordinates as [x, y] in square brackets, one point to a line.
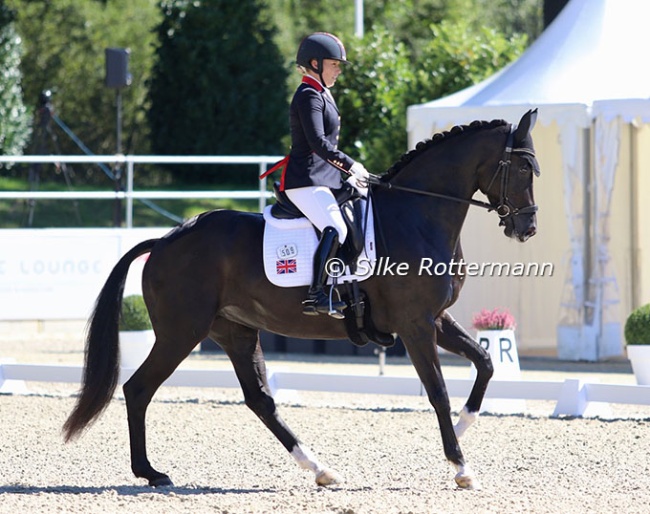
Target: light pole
[118, 77]
[358, 18]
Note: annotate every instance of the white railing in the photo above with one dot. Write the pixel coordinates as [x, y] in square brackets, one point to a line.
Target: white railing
[571, 396]
[129, 194]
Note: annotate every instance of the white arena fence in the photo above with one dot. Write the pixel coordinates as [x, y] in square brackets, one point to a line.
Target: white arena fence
[129, 194]
[572, 397]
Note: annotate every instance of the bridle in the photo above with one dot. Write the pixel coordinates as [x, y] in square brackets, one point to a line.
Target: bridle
[504, 209]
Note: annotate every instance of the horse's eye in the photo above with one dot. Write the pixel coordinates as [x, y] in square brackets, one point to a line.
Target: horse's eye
[525, 169]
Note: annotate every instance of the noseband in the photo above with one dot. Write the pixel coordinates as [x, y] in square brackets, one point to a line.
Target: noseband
[505, 209]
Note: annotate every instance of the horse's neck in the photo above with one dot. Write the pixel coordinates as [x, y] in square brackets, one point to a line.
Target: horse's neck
[439, 172]
[444, 170]
[436, 222]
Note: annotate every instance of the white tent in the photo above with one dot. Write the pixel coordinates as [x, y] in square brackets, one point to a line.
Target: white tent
[589, 77]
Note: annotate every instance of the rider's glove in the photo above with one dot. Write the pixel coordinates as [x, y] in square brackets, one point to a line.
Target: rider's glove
[360, 174]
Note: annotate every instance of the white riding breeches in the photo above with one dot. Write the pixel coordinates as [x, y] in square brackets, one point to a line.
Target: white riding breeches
[320, 207]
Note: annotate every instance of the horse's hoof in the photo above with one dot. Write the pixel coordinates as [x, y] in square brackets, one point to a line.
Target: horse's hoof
[329, 477]
[467, 481]
[163, 481]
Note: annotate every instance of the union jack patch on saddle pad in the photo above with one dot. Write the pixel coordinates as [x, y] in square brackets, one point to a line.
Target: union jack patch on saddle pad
[286, 266]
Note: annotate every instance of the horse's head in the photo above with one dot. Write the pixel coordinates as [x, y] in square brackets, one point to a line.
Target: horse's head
[510, 187]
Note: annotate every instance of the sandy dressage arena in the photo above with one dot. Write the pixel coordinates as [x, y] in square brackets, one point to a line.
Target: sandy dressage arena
[223, 460]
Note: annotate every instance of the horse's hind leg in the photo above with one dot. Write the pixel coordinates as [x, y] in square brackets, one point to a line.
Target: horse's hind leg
[243, 348]
[454, 338]
[168, 352]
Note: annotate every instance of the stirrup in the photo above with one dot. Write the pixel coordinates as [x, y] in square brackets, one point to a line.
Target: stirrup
[309, 307]
[335, 308]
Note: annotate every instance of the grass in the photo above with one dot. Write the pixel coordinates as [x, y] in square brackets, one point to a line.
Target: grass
[100, 213]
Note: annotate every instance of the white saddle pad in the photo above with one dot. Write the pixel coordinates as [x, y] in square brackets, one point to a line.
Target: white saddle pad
[289, 247]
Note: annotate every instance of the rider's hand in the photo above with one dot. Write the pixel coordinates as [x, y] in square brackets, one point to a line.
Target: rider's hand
[360, 174]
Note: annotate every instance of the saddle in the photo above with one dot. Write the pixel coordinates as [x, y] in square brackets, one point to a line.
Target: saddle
[352, 209]
[358, 321]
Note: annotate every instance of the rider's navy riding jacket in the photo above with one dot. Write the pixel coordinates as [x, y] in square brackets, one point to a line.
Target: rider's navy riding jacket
[314, 159]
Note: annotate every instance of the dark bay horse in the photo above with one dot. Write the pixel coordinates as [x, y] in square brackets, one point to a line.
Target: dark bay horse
[206, 278]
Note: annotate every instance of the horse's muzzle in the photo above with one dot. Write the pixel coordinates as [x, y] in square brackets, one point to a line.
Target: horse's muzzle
[530, 232]
[519, 227]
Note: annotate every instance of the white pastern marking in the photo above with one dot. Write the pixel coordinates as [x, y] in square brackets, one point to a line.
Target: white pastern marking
[465, 477]
[465, 420]
[306, 459]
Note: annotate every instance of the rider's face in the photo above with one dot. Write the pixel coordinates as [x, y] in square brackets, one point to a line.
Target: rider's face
[331, 71]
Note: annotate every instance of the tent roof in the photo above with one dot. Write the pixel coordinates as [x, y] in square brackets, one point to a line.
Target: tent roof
[592, 52]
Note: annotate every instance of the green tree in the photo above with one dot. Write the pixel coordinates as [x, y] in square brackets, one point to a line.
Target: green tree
[14, 117]
[508, 17]
[410, 54]
[299, 18]
[64, 44]
[372, 95]
[458, 56]
[376, 91]
[218, 86]
[408, 21]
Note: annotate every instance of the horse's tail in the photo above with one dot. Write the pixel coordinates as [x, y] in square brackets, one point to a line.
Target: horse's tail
[102, 367]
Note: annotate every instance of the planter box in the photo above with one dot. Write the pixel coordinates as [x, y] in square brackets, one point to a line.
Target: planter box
[502, 347]
[639, 355]
[135, 346]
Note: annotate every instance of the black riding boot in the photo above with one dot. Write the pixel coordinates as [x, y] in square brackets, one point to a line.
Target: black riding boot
[317, 301]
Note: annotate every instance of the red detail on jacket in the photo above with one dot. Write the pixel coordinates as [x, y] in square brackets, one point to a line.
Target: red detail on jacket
[306, 79]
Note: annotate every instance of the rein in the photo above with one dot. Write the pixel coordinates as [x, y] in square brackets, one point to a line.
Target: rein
[504, 209]
[477, 203]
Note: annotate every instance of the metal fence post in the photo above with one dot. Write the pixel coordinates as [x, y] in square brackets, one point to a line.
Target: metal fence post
[129, 192]
[262, 202]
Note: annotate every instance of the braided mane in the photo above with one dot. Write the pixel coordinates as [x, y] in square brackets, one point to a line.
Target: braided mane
[438, 138]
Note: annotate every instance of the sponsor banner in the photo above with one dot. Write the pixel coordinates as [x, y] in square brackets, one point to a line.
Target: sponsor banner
[56, 274]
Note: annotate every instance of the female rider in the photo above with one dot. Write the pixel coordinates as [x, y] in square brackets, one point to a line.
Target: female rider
[315, 163]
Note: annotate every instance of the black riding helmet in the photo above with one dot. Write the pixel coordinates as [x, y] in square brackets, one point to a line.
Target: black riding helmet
[319, 46]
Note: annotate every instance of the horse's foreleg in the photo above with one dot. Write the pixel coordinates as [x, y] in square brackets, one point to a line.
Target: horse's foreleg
[455, 339]
[244, 350]
[424, 356]
[138, 392]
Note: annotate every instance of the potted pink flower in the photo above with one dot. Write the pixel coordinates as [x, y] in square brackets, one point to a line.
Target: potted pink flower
[496, 333]
[494, 320]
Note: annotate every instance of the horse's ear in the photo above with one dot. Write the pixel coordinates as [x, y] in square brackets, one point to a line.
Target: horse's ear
[526, 124]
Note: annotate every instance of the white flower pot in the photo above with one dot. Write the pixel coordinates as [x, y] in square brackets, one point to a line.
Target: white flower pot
[639, 355]
[135, 346]
[502, 347]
